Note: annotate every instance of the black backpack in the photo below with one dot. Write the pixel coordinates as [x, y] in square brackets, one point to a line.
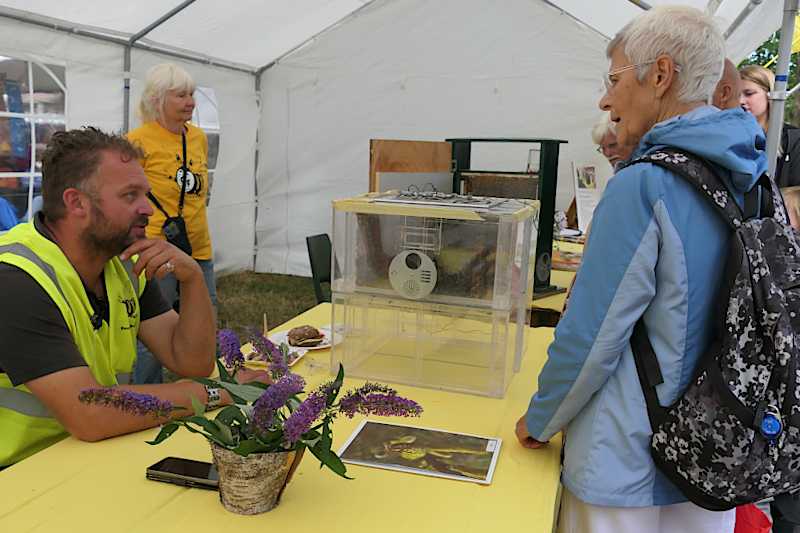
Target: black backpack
[733, 436]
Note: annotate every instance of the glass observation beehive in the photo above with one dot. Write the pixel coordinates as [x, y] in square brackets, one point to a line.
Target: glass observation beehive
[432, 290]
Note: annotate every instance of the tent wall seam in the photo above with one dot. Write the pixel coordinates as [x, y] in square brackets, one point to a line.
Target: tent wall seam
[255, 173]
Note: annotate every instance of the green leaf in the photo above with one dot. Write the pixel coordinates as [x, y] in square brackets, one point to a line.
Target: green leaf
[326, 440]
[166, 430]
[230, 414]
[220, 384]
[223, 373]
[336, 386]
[329, 458]
[198, 407]
[210, 427]
[293, 403]
[271, 439]
[249, 446]
[206, 435]
[225, 432]
[247, 393]
[311, 438]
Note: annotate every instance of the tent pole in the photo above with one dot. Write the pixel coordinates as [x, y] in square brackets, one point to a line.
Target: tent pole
[159, 21]
[126, 95]
[641, 4]
[777, 97]
[255, 175]
[126, 90]
[712, 6]
[75, 30]
[741, 18]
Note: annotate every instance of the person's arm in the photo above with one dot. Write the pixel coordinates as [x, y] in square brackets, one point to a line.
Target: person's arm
[613, 287]
[37, 349]
[184, 343]
[59, 392]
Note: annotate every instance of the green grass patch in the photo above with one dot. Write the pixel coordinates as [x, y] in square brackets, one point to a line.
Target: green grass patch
[244, 297]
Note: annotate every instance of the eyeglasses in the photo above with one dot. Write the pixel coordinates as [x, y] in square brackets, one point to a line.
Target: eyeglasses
[603, 148]
[609, 82]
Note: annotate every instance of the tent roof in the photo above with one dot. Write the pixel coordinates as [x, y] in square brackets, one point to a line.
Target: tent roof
[251, 34]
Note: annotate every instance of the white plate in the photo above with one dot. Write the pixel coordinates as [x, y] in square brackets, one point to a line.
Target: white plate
[282, 336]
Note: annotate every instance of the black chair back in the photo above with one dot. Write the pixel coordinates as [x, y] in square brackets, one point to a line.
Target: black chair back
[319, 255]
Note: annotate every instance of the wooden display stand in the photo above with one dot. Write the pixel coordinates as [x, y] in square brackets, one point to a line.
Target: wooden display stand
[406, 156]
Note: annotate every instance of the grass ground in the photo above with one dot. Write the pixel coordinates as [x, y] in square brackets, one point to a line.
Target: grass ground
[244, 297]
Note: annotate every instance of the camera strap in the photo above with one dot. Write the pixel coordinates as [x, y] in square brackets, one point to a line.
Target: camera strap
[185, 170]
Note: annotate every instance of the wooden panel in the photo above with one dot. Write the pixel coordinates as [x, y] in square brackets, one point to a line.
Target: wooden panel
[387, 155]
[501, 185]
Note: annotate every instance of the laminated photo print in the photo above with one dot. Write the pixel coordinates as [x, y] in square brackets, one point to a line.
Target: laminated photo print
[424, 451]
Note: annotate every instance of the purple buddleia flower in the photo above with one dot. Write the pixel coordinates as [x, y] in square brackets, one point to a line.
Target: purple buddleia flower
[378, 403]
[230, 349]
[326, 388]
[128, 401]
[302, 418]
[278, 365]
[274, 398]
[272, 354]
[350, 402]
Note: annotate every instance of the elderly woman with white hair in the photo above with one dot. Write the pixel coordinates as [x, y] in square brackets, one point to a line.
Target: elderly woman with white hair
[176, 164]
[655, 254]
[604, 136]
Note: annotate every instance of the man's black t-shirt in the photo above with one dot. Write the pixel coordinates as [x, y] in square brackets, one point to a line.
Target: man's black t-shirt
[34, 338]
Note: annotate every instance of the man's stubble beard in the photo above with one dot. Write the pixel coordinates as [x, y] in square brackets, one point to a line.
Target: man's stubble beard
[103, 238]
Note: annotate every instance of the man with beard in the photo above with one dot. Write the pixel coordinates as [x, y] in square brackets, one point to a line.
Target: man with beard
[78, 289]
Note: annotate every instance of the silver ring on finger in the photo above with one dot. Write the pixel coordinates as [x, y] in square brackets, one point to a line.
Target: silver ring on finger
[169, 267]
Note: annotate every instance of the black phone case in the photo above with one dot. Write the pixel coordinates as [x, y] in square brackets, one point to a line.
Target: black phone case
[182, 481]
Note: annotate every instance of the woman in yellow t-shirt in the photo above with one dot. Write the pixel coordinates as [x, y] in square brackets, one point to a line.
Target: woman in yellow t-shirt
[175, 157]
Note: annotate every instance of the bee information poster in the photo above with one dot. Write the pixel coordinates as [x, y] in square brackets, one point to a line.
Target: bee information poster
[430, 452]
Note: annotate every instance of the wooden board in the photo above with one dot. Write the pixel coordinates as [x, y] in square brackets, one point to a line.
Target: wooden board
[386, 155]
[501, 185]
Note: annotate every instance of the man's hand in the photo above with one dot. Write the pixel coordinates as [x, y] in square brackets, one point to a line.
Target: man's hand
[159, 258]
[524, 437]
[247, 375]
[185, 343]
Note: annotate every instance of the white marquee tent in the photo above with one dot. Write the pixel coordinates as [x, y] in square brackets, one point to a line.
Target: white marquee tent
[301, 86]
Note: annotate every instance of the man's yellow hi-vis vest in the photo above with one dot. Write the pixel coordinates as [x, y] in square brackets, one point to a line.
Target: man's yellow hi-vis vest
[26, 426]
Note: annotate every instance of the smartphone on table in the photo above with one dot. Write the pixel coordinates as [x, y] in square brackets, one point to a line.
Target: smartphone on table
[186, 472]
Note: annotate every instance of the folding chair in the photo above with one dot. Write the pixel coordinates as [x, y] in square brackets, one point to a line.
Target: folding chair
[319, 255]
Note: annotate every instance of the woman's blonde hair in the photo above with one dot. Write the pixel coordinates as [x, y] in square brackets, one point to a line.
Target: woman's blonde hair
[763, 77]
[160, 80]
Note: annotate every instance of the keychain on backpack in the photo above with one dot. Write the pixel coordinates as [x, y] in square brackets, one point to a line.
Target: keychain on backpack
[771, 424]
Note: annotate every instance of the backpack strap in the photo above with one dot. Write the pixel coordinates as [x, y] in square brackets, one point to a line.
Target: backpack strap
[649, 372]
[702, 176]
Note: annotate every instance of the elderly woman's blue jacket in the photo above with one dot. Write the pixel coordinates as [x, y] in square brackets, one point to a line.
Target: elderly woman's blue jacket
[656, 249]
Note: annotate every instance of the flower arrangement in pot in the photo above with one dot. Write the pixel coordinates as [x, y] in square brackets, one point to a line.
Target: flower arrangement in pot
[258, 441]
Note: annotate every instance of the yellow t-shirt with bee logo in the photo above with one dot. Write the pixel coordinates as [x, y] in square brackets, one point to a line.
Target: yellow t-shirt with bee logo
[163, 156]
